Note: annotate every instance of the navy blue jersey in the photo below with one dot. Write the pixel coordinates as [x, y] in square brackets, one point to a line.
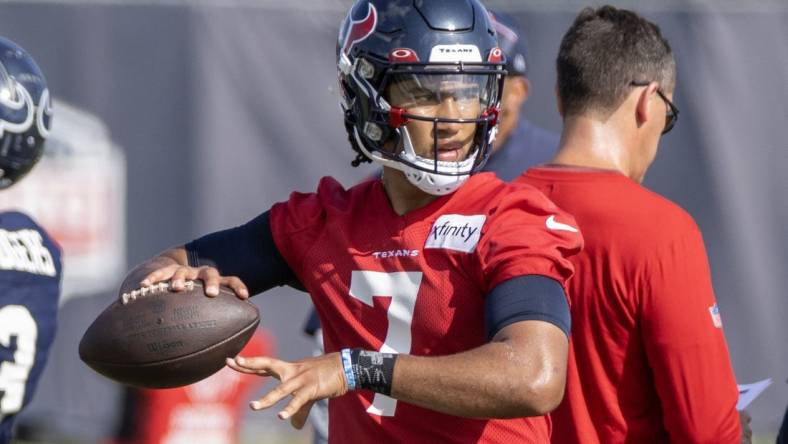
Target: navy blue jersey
[30, 271]
[527, 145]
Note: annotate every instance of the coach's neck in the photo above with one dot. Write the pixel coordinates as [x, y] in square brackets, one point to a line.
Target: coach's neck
[617, 140]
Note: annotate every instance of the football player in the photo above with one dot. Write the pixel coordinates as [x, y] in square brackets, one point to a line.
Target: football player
[648, 360]
[30, 268]
[440, 291]
[519, 144]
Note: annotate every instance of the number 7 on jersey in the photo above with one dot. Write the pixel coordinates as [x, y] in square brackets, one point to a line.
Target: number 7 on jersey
[403, 288]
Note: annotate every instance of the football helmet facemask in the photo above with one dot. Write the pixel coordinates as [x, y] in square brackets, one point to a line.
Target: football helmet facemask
[25, 113]
[420, 84]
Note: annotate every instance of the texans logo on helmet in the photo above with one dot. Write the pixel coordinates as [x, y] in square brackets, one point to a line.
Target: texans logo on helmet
[359, 30]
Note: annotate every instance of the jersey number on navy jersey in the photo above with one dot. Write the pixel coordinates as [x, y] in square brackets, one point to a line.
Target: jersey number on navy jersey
[16, 322]
[403, 288]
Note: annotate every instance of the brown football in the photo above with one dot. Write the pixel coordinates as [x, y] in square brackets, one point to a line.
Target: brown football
[155, 338]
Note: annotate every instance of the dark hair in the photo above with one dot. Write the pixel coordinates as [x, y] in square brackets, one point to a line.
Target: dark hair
[605, 50]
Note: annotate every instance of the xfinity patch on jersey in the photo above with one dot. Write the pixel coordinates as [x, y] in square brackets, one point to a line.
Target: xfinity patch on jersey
[456, 232]
[455, 53]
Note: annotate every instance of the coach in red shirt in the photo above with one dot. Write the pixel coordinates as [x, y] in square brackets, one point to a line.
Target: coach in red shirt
[648, 359]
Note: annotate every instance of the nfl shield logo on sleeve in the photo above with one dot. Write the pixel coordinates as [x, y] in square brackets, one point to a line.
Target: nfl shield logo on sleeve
[456, 232]
[714, 310]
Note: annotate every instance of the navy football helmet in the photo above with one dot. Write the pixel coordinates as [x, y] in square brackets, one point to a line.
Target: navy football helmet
[435, 62]
[25, 113]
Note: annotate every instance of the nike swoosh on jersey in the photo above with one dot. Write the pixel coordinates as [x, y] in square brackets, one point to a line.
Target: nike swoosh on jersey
[552, 224]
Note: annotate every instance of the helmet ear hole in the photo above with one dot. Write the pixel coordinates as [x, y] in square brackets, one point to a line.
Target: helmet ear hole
[365, 69]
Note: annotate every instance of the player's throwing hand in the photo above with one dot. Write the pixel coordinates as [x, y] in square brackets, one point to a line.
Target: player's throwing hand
[179, 274]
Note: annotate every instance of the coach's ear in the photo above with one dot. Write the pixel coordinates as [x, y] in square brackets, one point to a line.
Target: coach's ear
[643, 107]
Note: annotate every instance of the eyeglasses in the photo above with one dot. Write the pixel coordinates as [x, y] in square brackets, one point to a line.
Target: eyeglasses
[671, 115]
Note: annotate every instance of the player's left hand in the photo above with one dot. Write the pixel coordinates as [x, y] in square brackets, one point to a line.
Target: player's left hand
[307, 381]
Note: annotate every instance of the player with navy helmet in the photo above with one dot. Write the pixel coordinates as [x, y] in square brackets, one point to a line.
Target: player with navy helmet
[30, 267]
[440, 289]
[519, 144]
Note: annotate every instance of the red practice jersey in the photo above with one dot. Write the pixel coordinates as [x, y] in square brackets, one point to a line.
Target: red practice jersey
[648, 361]
[207, 412]
[416, 284]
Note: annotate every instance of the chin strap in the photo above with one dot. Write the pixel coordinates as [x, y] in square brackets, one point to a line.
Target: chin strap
[360, 158]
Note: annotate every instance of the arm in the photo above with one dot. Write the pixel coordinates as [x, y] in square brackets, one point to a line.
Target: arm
[520, 372]
[685, 349]
[244, 258]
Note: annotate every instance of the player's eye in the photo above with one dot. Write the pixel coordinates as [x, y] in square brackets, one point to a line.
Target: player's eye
[467, 93]
[425, 97]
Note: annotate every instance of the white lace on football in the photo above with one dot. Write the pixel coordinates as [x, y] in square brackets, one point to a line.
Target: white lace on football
[161, 287]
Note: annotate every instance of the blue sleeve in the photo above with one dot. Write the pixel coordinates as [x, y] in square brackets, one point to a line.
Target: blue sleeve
[248, 252]
[524, 298]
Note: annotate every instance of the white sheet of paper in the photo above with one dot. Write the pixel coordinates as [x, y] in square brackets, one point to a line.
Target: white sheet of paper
[748, 392]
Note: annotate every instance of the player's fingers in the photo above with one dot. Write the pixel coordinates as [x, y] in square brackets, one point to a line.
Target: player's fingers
[158, 275]
[210, 278]
[279, 393]
[234, 365]
[299, 401]
[272, 367]
[237, 285]
[299, 419]
[180, 276]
